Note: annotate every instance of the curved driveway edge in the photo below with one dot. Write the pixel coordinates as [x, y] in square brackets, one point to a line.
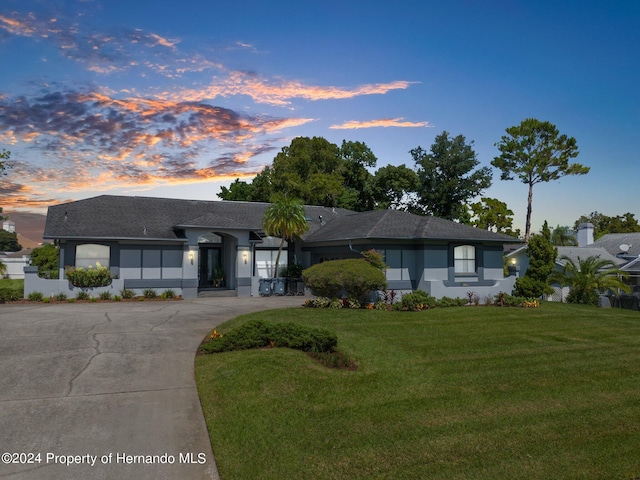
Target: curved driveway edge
[107, 390]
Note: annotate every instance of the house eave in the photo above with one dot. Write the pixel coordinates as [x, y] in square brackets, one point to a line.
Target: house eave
[112, 239]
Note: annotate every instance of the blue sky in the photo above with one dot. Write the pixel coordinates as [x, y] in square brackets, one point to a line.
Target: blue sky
[175, 99]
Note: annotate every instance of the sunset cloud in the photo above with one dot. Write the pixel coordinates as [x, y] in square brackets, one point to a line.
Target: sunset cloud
[107, 52]
[282, 92]
[133, 108]
[97, 139]
[383, 122]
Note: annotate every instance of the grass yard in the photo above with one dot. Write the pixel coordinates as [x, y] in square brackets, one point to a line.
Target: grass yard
[458, 393]
[8, 283]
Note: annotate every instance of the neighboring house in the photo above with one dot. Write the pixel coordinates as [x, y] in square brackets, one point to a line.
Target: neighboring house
[622, 249]
[191, 246]
[9, 226]
[15, 262]
[626, 247]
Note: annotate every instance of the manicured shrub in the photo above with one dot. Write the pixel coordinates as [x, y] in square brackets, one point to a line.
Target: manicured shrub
[335, 303]
[127, 293]
[10, 294]
[353, 277]
[89, 277]
[60, 297]
[149, 293]
[352, 303]
[46, 259]
[530, 287]
[415, 301]
[260, 334]
[35, 297]
[168, 294]
[515, 301]
[83, 295]
[583, 296]
[105, 295]
[451, 302]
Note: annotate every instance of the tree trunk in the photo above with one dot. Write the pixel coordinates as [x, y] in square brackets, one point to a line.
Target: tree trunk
[527, 232]
[275, 267]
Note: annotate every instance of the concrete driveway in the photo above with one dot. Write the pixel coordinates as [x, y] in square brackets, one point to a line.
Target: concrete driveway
[107, 390]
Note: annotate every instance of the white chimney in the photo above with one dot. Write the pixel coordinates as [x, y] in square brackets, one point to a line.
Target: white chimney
[585, 234]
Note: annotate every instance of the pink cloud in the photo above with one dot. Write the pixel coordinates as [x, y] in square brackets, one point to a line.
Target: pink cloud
[383, 122]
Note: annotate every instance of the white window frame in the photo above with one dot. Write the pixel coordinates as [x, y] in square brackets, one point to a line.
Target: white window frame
[464, 260]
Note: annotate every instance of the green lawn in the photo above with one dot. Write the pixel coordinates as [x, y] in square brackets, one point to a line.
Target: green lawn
[459, 393]
[7, 283]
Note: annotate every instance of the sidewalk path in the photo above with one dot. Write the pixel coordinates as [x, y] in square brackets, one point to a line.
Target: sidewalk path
[107, 390]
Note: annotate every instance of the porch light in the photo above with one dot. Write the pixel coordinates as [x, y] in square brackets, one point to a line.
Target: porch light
[513, 261]
[191, 257]
[245, 257]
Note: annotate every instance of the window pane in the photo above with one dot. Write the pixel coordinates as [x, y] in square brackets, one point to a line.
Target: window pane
[464, 259]
[92, 254]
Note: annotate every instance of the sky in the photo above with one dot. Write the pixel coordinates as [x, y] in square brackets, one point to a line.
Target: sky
[176, 99]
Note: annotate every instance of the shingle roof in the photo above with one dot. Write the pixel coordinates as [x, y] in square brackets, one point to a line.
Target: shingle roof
[121, 217]
[396, 224]
[612, 241]
[585, 252]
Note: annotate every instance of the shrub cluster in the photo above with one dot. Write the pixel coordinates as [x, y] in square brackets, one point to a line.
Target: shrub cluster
[10, 294]
[415, 301]
[260, 334]
[89, 277]
[420, 300]
[355, 276]
[149, 293]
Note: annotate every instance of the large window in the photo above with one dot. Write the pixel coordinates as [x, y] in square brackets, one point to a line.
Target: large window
[464, 259]
[92, 254]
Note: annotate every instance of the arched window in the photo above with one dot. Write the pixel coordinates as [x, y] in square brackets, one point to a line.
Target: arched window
[91, 254]
[464, 259]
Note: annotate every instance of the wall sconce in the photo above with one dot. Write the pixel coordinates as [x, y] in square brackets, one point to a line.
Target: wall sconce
[513, 261]
[191, 257]
[245, 257]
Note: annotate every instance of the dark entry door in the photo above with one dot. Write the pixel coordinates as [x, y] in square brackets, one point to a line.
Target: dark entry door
[211, 271]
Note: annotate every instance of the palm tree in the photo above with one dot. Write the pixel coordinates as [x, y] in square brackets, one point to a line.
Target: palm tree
[285, 218]
[589, 277]
[563, 237]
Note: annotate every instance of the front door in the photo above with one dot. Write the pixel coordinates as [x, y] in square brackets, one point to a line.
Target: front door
[211, 271]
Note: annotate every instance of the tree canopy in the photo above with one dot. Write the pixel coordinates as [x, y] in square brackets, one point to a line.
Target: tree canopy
[317, 172]
[494, 215]
[9, 242]
[447, 179]
[603, 224]
[563, 237]
[535, 152]
[394, 187]
[46, 258]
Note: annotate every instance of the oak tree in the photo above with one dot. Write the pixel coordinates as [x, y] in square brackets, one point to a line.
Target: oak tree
[447, 177]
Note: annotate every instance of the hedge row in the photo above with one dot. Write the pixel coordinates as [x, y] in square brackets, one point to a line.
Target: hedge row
[260, 334]
[10, 294]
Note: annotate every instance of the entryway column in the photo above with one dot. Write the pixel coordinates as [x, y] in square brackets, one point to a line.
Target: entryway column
[244, 264]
